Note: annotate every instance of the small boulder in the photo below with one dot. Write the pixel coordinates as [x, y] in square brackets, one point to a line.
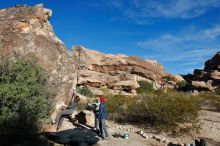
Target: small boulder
[86, 117]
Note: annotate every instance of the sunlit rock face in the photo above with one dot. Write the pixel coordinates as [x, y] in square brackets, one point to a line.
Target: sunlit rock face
[25, 32]
[118, 73]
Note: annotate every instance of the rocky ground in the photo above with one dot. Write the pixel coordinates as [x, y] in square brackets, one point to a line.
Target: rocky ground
[210, 126]
[210, 131]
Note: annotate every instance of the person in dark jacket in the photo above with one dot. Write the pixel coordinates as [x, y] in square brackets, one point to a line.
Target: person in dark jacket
[95, 108]
[102, 119]
[65, 113]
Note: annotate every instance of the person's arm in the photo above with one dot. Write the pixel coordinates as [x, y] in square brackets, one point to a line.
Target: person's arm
[72, 105]
[101, 110]
[63, 106]
[105, 110]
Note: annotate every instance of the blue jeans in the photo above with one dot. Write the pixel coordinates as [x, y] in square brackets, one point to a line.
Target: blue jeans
[61, 115]
[103, 128]
[96, 120]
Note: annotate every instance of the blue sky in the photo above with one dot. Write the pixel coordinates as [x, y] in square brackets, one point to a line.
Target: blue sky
[180, 34]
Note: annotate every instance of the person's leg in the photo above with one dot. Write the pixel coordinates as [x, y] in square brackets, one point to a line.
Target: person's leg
[60, 122]
[62, 113]
[96, 121]
[100, 128]
[57, 118]
[104, 127]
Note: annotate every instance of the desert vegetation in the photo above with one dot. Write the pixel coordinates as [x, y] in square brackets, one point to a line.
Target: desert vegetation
[145, 87]
[174, 111]
[210, 100]
[84, 91]
[25, 103]
[183, 86]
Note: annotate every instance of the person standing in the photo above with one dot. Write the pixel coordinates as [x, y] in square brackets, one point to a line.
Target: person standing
[96, 112]
[102, 118]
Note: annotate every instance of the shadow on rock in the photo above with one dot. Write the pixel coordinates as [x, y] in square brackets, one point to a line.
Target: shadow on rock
[73, 137]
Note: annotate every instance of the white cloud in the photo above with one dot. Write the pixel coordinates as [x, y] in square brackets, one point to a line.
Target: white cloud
[143, 11]
[191, 63]
[189, 48]
[194, 39]
[191, 56]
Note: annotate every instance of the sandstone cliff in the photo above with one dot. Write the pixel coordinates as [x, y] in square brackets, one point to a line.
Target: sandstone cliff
[116, 72]
[25, 31]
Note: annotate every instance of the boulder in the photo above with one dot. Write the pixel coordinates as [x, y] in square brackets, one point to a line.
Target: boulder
[25, 32]
[199, 73]
[103, 91]
[86, 117]
[209, 77]
[213, 63]
[201, 85]
[215, 76]
[178, 78]
[126, 85]
[116, 72]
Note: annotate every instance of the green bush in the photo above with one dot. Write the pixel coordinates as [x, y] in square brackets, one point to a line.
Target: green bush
[145, 87]
[217, 91]
[165, 111]
[84, 91]
[118, 105]
[183, 86]
[168, 78]
[24, 98]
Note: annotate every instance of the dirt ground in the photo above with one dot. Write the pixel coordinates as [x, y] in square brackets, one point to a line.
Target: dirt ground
[210, 128]
[210, 131]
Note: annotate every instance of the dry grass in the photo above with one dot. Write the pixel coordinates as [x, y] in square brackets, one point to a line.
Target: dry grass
[210, 100]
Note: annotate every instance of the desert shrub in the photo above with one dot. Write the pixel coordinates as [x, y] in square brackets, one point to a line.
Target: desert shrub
[168, 110]
[183, 86]
[82, 106]
[84, 91]
[168, 78]
[118, 105]
[217, 104]
[25, 104]
[165, 111]
[145, 87]
[217, 91]
[210, 100]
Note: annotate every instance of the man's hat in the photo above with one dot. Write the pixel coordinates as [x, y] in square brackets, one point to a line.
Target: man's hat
[103, 99]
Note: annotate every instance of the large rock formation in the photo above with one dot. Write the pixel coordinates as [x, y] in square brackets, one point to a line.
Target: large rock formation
[115, 72]
[209, 77]
[25, 31]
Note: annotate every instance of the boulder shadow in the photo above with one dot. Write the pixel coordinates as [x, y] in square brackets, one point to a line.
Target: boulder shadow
[73, 137]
